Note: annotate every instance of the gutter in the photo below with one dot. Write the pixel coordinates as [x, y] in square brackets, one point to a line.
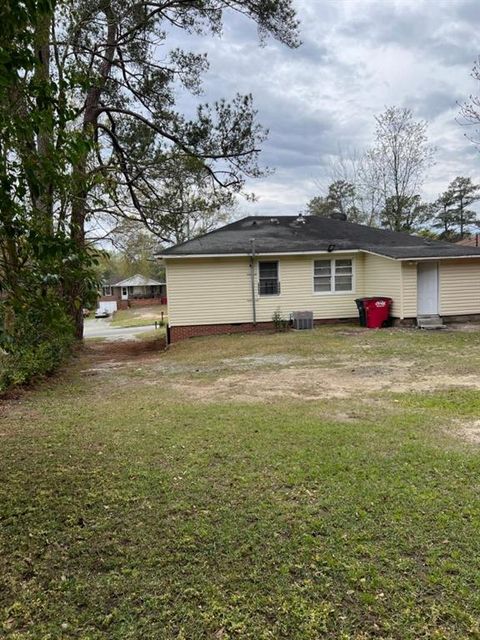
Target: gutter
[171, 256]
[177, 256]
[423, 259]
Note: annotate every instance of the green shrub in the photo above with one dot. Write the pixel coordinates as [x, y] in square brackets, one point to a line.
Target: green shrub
[279, 322]
[28, 363]
[40, 338]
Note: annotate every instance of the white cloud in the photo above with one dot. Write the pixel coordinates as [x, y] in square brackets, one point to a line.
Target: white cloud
[358, 56]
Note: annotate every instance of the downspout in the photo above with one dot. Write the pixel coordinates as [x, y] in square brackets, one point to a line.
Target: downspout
[252, 279]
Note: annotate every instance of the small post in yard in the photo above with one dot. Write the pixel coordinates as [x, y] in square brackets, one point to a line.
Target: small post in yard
[156, 325]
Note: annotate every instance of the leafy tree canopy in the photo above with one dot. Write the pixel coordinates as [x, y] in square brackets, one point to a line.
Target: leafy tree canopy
[340, 202]
[91, 125]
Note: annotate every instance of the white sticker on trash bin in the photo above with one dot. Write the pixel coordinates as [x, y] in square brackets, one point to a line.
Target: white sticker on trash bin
[380, 303]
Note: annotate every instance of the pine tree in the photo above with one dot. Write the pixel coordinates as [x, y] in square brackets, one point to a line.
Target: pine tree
[444, 219]
[465, 193]
[96, 104]
[340, 202]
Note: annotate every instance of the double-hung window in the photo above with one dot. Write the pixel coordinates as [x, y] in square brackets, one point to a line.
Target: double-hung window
[332, 276]
[322, 276]
[343, 280]
[107, 290]
[268, 284]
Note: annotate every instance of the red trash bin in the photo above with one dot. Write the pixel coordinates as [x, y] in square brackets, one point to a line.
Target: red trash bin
[377, 311]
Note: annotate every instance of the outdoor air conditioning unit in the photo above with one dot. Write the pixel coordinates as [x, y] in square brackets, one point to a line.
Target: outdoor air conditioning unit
[302, 320]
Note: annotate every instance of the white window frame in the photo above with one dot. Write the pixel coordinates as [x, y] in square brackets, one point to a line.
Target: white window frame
[333, 291]
[268, 295]
[107, 287]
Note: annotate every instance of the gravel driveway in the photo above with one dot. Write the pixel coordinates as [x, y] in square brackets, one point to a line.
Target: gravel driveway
[102, 328]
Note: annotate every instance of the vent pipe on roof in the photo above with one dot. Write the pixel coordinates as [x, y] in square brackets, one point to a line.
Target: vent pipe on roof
[300, 219]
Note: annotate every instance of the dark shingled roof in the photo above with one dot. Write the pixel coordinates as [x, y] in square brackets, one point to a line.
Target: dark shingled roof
[298, 234]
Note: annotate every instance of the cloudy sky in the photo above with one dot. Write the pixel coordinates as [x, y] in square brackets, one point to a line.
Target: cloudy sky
[357, 57]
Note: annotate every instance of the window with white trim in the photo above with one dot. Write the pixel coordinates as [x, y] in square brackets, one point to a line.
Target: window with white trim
[333, 276]
[107, 290]
[268, 284]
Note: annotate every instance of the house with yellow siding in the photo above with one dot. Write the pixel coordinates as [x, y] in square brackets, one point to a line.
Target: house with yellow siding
[236, 277]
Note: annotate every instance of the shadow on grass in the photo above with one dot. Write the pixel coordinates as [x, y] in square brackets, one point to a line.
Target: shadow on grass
[124, 350]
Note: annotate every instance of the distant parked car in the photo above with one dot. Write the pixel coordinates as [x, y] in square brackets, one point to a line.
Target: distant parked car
[101, 313]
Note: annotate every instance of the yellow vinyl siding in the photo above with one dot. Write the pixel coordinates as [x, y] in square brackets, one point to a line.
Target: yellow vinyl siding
[208, 291]
[296, 284]
[459, 284]
[218, 290]
[383, 277]
[409, 291]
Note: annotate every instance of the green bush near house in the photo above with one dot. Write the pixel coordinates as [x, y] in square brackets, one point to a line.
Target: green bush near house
[279, 322]
[42, 338]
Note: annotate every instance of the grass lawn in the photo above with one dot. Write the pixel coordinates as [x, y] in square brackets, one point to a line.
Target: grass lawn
[139, 316]
[300, 486]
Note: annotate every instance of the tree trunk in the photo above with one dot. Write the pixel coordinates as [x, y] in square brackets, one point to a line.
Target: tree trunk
[75, 290]
[43, 203]
[461, 218]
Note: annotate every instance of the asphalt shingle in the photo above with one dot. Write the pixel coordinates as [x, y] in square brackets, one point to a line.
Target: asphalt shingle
[300, 234]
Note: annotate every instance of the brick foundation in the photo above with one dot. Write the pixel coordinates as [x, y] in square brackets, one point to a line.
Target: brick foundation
[412, 322]
[196, 330]
[471, 317]
[405, 322]
[107, 298]
[145, 302]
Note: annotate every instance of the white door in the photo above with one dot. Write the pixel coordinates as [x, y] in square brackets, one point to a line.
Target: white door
[124, 293]
[427, 288]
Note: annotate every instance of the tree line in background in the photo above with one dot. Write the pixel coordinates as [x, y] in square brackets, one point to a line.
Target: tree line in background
[381, 187]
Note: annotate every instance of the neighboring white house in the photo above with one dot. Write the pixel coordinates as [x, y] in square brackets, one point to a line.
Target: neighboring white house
[138, 289]
[235, 278]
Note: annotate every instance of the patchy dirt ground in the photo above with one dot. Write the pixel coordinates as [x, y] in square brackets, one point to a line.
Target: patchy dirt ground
[126, 352]
[316, 383]
[469, 431]
[310, 485]
[357, 370]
